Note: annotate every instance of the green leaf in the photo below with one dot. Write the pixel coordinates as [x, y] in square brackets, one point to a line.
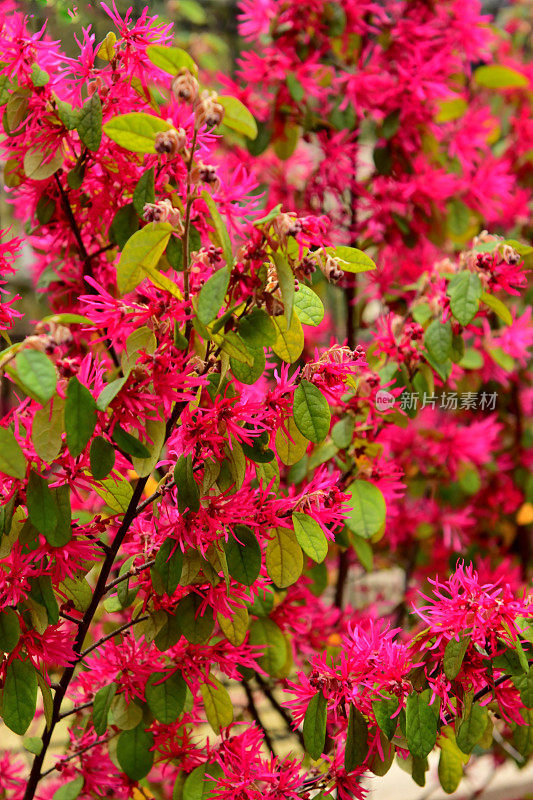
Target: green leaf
[496, 305]
[296, 90]
[310, 536]
[309, 306]
[454, 654]
[39, 165]
[9, 630]
[311, 412]
[496, 76]
[383, 711]
[420, 725]
[47, 428]
[166, 696]
[43, 594]
[438, 340]
[284, 559]
[134, 752]
[472, 359]
[62, 532]
[217, 704]
[128, 443]
[244, 372]
[69, 790]
[5, 88]
[42, 510]
[141, 254]
[101, 705]
[289, 342]
[212, 295]
[464, 291]
[170, 59]
[243, 555]
[265, 633]
[451, 109]
[125, 714]
[523, 734]
[68, 115]
[196, 627]
[109, 392]
[356, 740]
[271, 215]
[102, 457]
[12, 460]
[17, 108]
[524, 685]
[352, 259]
[221, 232]
[19, 698]
[77, 590]
[116, 493]
[136, 131]
[90, 122]
[169, 634]
[472, 728]
[314, 727]
[168, 565]
[155, 431]
[198, 785]
[33, 744]
[368, 509]
[188, 491]
[36, 374]
[144, 192]
[237, 116]
[286, 284]
[458, 218]
[125, 223]
[80, 416]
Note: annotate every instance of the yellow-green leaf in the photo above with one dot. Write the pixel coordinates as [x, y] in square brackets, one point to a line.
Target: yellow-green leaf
[136, 131]
[170, 59]
[284, 558]
[237, 116]
[115, 493]
[217, 704]
[141, 252]
[40, 165]
[289, 342]
[496, 76]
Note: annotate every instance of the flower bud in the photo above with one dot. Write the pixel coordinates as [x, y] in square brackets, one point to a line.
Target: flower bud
[185, 86]
[331, 269]
[287, 225]
[208, 111]
[170, 142]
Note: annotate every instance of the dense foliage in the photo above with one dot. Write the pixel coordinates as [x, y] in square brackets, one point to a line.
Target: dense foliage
[202, 464]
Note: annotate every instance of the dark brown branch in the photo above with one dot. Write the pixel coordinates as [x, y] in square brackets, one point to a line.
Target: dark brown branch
[284, 714]
[255, 716]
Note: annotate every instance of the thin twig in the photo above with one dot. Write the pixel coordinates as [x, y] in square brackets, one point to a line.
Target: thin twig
[122, 628]
[132, 572]
[76, 709]
[74, 755]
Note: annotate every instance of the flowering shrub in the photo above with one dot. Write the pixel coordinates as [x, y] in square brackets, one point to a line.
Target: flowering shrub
[193, 471]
